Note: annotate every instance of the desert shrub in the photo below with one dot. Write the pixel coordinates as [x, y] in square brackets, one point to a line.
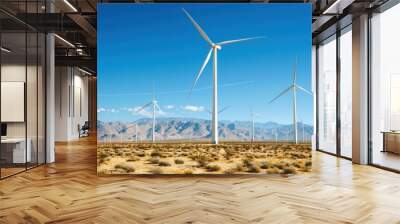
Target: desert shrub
[230, 171]
[279, 165]
[126, 167]
[103, 160]
[215, 158]
[247, 161]
[132, 159]
[202, 160]
[253, 168]
[187, 172]
[264, 165]
[153, 160]
[212, 168]
[156, 170]
[288, 170]
[126, 154]
[155, 153]
[239, 167]
[140, 154]
[179, 161]
[164, 163]
[102, 155]
[273, 170]
[118, 153]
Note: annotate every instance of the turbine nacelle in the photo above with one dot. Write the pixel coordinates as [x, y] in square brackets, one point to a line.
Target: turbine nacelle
[218, 47]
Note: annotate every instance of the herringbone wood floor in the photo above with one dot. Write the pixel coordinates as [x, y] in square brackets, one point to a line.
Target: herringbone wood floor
[69, 191]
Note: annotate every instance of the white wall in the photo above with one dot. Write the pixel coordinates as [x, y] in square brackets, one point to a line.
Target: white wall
[71, 102]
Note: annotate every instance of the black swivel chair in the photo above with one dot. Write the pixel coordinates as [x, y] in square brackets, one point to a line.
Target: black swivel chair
[84, 130]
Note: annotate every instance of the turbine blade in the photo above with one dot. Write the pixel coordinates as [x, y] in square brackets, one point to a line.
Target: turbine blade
[283, 92]
[223, 109]
[304, 90]
[238, 40]
[201, 70]
[295, 71]
[201, 31]
[158, 107]
[143, 107]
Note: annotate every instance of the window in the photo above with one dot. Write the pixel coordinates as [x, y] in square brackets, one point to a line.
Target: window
[346, 92]
[327, 95]
[385, 89]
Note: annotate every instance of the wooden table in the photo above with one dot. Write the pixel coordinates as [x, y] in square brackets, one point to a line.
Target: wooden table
[391, 141]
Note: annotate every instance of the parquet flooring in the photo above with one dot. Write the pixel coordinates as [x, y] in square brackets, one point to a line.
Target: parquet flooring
[70, 191]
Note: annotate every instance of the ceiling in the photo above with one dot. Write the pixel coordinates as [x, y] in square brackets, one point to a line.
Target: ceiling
[75, 21]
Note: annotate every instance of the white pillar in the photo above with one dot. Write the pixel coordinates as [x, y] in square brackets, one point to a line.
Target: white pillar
[314, 90]
[50, 98]
[153, 139]
[214, 122]
[360, 90]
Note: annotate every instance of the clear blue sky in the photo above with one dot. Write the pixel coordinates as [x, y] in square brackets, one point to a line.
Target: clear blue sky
[139, 44]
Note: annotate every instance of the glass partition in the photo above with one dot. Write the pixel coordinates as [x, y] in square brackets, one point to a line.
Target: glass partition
[385, 89]
[346, 92]
[23, 90]
[327, 95]
[13, 109]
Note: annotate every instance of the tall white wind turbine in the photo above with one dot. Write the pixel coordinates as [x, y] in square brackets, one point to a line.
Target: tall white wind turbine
[155, 108]
[213, 50]
[293, 87]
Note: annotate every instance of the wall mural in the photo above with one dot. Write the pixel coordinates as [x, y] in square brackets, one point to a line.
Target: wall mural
[204, 89]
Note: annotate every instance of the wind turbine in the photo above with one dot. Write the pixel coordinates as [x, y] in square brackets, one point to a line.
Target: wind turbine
[293, 87]
[136, 132]
[252, 114]
[155, 107]
[214, 50]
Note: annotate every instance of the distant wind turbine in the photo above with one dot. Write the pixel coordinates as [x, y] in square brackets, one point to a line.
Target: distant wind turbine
[136, 132]
[155, 107]
[214, 48]
[293, 87]
[252, 114]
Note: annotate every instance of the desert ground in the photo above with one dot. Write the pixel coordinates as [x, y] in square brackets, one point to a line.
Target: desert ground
[201, 158]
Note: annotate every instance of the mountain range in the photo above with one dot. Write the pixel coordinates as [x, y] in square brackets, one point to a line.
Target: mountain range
[198, 129]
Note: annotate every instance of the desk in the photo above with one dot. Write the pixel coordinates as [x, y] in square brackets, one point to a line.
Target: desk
[13, 150]
[391, 141]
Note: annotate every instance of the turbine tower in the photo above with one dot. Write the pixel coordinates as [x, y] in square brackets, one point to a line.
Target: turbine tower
[136, 137]
[155, 108]
[213, 50]
[293, 87]
[252, 115]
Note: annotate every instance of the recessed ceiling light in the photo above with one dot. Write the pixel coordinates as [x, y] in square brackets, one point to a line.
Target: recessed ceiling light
[5, 50]
[84, 71]
[64, 40]
[70, 5]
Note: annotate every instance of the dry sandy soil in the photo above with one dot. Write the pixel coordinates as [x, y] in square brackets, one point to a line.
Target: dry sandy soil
[201, 158]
